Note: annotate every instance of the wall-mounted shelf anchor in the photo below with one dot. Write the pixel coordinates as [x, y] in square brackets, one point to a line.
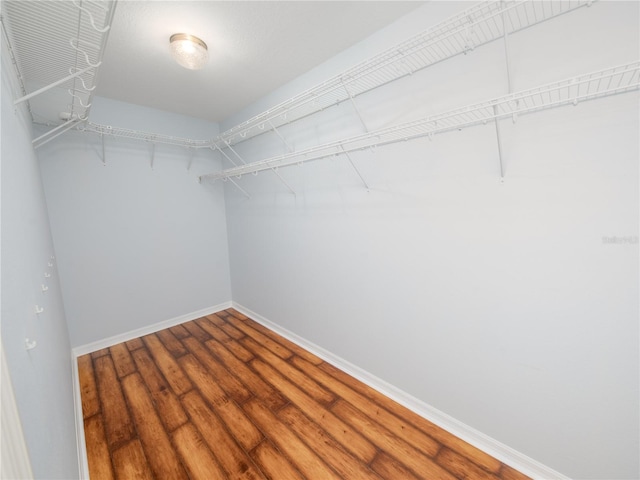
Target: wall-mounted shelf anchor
[47, 275]
[44, 288]
[30, 344]
[192, 154]
[39, 309]
[153, 154]
[499, 142]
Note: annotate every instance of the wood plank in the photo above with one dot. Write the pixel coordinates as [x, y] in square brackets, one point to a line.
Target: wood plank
[326, 447]
[97, 449]
[179, 331]
[348, 437]
[171, 343]
[272, 464]
[100, 353]
[195, 455]
[134, 344]
[167, 403]
[213, 329]
[157, 446]
[227, 380]
[235, 419]
[196, 331]
[236, 313]
[287, 442]
[302, 381]
[389, 467]
[288, 344]
[408, 455]
[122, 360]
[217, 319]
[233, 331]
[88, 388]
[461, 467]
[260, 338]
[130, 461]
[479, 457]
[509, 473]
[227, 450]
[218, 334]
[229, 329]
[399, 426]
[168, 366]
[115, 414]
[264, 391]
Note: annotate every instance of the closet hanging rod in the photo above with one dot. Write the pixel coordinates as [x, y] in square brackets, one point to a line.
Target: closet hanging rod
[460, 33]
[620, 79]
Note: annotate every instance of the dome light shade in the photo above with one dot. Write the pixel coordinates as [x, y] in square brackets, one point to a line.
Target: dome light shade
[188, 51]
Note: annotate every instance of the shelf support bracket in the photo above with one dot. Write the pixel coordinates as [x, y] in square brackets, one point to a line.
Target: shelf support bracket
[355, 106]
[497, 123]
[505, 42]
[506, 52]
[366, 129]
[272, 168]
[238, 187]
[355, 168]
[289, 147]
[286, 184]
[236, 154]
[225, 155]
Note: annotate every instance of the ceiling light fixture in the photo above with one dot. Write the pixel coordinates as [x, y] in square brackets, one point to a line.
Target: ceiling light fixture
[188, 51]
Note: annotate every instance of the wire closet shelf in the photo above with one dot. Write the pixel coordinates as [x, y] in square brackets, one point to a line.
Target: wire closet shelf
[612, 81]
[107, 130]
[56, 48]
[461, 33]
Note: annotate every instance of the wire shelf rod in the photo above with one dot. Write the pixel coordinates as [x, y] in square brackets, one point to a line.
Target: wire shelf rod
[599, 84]
[479, 24]
[55, 132]
[154, 138]
[54, 84]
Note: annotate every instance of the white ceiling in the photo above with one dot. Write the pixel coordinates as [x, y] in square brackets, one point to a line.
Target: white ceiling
[254, 47]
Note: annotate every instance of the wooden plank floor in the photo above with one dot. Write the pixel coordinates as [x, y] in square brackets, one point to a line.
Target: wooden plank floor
[224, 397]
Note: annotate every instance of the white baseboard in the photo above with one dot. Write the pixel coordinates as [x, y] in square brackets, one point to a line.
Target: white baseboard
[108, 342]
[496, 449]
[140, 332]
[83, 466]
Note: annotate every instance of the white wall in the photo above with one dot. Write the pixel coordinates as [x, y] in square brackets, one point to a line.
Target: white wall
[499, 304]
[41, 377]
[136, 245]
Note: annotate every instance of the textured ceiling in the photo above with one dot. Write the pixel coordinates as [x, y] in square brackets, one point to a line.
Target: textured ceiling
[254, 46]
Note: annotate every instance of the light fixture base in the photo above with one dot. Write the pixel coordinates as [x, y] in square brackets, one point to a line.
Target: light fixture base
[188, 50]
